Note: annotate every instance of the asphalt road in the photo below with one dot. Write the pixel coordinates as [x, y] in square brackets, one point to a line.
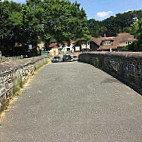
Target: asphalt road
[74, 102]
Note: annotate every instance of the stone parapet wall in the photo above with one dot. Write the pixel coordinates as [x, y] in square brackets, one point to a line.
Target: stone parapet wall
[124, 65]
[14, 73]
[7, 59]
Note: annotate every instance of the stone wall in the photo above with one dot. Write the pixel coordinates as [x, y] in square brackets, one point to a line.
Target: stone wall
[14, 73]
[7, 59]
[124, 65]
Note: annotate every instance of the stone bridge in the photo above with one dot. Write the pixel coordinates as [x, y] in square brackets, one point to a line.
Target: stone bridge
[73, 102]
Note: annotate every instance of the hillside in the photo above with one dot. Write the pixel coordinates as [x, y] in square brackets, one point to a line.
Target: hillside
[114, 24]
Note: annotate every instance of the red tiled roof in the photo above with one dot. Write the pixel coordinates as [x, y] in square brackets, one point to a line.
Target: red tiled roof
[125, 37]
[99, 40]
[117, 41]
[53, 45]
[113, 46]
[108, 38]
[96, 40]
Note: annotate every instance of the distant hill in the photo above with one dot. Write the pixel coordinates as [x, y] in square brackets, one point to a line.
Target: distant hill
[114, 24]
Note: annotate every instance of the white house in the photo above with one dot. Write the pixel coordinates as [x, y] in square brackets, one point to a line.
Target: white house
[75, 46]
[81, 45]
[66, 48]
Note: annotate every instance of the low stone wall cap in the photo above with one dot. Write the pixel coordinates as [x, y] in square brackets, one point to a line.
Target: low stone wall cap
[8, 66]
[122, 54]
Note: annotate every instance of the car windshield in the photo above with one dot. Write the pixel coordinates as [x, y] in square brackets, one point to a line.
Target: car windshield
[56, 57]
[74, 56]
[67, 56]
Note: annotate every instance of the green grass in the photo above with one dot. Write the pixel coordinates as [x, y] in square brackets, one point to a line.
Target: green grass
[18, 85]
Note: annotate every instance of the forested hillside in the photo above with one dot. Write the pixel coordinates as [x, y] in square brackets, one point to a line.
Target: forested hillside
[115, 24]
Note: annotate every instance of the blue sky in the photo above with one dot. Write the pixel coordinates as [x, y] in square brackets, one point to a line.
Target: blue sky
[101, 9]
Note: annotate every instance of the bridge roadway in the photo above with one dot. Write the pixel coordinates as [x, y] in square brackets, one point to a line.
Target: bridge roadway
[74, 102]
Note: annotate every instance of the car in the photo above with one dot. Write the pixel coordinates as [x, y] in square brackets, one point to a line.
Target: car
[57, 59]
[75, 58]
[67, 58]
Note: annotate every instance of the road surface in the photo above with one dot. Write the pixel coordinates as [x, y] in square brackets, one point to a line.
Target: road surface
[74, 102]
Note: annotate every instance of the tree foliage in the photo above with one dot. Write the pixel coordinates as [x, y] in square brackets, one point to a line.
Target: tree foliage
[46, 20]
[96, 28]
[136, 30]
[130, 22]
[115, 24]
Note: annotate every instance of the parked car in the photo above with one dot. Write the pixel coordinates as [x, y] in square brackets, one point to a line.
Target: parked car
[75, 58]
[67, 58]
[57, 59]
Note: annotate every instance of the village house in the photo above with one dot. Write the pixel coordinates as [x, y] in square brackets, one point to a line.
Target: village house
[124, 39]
[111, 43]
[81, 45]
[66, 48]
[101, 43]
[74, 47]
[54, 51]
[96, 44]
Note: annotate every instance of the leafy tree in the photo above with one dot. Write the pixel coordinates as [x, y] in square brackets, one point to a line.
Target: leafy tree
[63, 21]
[114, 24]
[96, 28]
[136, 30]
[7, 32]
[47, 20]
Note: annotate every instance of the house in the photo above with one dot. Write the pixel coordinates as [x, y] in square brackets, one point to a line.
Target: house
[111, 43]
[95, 43]
[124, 39]
[75, 47]
[108, 43]
[66, 47]
[81, 45]
[54, 51]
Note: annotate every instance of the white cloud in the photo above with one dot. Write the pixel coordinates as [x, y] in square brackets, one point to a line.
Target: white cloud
[104, 14]
[128, 10]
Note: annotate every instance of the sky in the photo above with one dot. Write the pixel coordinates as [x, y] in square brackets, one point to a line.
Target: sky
[102, 9]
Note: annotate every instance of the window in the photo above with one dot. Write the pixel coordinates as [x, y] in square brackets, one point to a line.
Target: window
[128, 42]
[107, 42]
[68, 49]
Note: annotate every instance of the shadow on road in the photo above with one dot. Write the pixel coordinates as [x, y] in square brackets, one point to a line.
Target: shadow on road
[122, 81]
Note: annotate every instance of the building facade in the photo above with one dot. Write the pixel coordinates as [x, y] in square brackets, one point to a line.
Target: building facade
[112, 43]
